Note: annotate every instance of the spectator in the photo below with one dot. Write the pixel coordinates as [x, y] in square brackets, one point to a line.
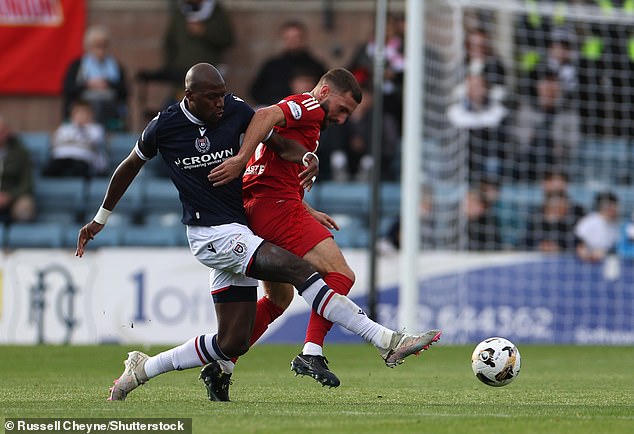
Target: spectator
[98, 78]
[598, 232]
[198, 31]
[302, 80]
[273, 80]
[16, 178]
[483, 118]
[482, 225]
[561, 61]
[490, 188]
[352, 159]
[77, 148]
[556, 181]
[481, 61]
[552, 229]
[546, 132]
[362, 65]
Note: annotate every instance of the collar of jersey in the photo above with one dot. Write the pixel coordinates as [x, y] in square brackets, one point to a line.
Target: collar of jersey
[191, 117]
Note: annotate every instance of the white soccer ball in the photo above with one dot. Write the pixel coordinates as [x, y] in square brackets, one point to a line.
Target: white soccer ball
[496, 361]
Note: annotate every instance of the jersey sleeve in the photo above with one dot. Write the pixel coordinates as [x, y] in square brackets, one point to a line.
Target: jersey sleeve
[146, 147]
[299, 113]
[246, 111]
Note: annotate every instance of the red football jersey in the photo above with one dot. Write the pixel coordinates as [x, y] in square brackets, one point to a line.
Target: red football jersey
[268, 175]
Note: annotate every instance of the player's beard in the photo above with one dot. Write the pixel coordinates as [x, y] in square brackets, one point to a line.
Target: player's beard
[326, 122]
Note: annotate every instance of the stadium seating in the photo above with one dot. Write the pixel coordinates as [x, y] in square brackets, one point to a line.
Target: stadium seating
[390, 199]
[34, 235]
[603, 160]
[108, 237]
[170, 222]
[129, 205]
[149, 236]
[37, 144]
[349, 198]
[57, 216]
[119, 146]
[63, 197]
[154, 202]
[160, 196]
[352, 236]
[164, 219]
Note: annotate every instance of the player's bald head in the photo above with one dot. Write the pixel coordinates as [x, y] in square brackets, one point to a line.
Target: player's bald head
[201, 76]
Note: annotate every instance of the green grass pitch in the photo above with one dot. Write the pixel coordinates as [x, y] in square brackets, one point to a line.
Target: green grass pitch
[561, 389]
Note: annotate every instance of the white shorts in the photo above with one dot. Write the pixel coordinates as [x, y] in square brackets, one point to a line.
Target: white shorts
[227, 250]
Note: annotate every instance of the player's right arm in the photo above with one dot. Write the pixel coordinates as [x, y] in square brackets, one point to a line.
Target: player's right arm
[119, 183]
[121, 179]
[258, 131]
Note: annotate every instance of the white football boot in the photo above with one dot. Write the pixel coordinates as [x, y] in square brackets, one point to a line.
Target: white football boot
[403, 345]
[133, 376]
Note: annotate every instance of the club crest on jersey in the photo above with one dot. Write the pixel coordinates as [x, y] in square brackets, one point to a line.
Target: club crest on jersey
[202, 144]
[296, 110]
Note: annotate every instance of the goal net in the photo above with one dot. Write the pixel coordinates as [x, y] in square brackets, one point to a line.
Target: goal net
[526, 155]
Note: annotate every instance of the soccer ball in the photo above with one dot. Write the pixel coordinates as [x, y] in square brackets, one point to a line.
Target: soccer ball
[496, 361]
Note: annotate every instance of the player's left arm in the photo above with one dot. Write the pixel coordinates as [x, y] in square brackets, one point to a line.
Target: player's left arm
[295, 152]
[259, 130]
[321, 217]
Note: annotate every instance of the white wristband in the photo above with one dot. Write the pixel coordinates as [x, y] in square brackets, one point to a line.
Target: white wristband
[305, 161]
[102, 216]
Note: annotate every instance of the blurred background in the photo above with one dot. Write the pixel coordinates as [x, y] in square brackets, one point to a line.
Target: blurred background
[524, 197]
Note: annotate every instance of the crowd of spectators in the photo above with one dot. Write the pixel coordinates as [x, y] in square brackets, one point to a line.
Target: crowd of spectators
[519, 123]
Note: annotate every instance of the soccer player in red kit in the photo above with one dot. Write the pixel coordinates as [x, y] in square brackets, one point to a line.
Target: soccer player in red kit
[273, 200]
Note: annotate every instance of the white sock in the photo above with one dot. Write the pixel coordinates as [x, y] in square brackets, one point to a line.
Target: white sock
[311, 349]
[343, 311]
[227, 366]
[314, 291]
[197, 351]
[159, 364]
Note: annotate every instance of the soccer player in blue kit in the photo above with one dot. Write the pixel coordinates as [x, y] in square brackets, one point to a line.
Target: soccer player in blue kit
[193, 137]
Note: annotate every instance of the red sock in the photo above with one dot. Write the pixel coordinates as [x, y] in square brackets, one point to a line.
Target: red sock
[266, 312]
[318, 326]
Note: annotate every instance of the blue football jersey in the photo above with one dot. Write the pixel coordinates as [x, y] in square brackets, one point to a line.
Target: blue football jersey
[191, 149]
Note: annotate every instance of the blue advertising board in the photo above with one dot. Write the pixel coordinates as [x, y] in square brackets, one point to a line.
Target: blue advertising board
[554, 299]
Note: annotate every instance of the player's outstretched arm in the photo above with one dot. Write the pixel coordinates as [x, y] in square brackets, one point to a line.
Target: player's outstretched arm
[258, 131]
[121, 179]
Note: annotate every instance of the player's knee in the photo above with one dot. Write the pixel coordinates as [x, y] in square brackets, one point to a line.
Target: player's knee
[234, 344]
